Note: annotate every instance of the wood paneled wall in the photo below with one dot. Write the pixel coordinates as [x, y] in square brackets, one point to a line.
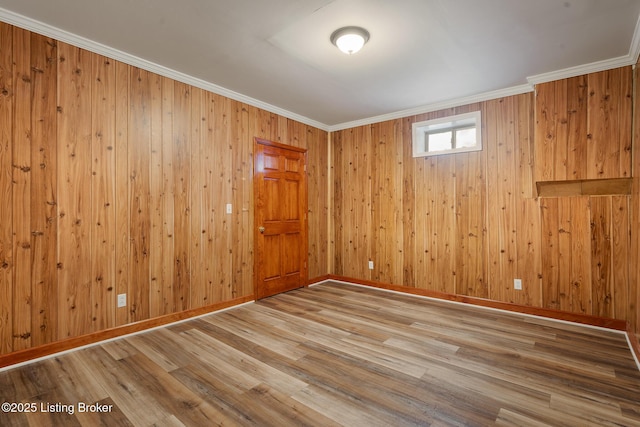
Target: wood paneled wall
[115, 180]
[583, 127]
[470, 223]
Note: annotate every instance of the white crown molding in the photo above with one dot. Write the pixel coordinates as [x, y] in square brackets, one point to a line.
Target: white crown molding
[580, 70]
[450, 103]
[95, 47]
[634, 49]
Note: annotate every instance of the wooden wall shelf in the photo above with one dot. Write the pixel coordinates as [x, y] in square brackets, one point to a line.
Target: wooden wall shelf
[584, 187]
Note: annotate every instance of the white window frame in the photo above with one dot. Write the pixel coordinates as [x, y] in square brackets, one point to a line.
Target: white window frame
[421, 130]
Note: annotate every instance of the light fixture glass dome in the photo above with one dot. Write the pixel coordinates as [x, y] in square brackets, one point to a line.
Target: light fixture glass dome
[350, 39]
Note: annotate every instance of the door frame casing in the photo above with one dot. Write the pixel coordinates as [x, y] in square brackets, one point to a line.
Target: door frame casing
[304, 226]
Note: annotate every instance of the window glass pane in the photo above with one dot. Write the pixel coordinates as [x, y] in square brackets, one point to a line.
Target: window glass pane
[439, 141]
[452, 134]
[466, 138]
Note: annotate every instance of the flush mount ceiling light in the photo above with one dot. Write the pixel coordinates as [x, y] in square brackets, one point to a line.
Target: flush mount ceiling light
[350, 39]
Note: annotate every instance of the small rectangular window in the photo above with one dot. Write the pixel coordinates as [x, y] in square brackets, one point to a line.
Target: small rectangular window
[453, 134]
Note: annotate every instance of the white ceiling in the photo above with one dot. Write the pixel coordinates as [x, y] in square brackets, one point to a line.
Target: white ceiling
[276, 54]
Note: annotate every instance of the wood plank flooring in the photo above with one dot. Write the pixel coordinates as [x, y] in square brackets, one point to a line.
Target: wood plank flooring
[333, 355]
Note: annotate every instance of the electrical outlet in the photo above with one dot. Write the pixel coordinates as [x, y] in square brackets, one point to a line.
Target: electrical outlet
[517, 284]
[370, 265]
[122, 300]
[229, 208]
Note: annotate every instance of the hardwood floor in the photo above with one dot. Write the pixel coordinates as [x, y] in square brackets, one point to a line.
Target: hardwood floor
[337, 354]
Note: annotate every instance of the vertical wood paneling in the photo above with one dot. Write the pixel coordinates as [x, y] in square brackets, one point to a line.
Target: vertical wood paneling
[566, 281]
[43, 190]
[182, 197]
[609, 124]
[625, 121]
[103, 231]
[116, 182]
[581, 274]
[425, 230]
[241, 139]
[21, 165]
[318, 182]
[355, 220]
[167, 232]
[74, 190]
[471, 222]
[471, 217]
[583, 127]
[447, 233]
[7, 98]
[387, 202]
[197, 295]
[526, 148]
[221, 152]
[139, 200]
[528, 234]
[507, 144]
[633, 302]
[601, 252]
[528, 266]
[577, 127]
[212, 207]
[338, 235]
[621, 255]
[500, 267]
[601, 125]
[545, 134]
[550, 257]
[157, 302]
[121, 182]
[408, 205]
[561, 167]
[176, 159]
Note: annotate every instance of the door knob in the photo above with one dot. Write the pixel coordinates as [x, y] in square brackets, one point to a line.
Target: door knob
[261, 229]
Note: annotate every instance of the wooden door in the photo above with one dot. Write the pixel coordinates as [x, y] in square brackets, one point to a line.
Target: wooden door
[280, 200]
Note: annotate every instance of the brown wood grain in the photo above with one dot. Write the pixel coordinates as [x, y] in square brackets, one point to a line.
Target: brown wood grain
[588, 187]
[634, 267]
[103, 161]
[139, 195]
[121, 183]
[107, 334]
[444, 236]
[476, 224]
[197, 295]
[580, 288]
[167, 232]
[157, 301]
[74, 183]
[336, 354]
[21, 172]
[43, 190]
[583, 127]
[545, 132]
[601, 256]
[222, 176]
[387, 238]
[116, 181]
[6, 187]
[562, 167]
[577, 96]
[280, 234]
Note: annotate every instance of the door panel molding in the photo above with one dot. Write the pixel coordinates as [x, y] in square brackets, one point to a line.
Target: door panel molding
[280, 218]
